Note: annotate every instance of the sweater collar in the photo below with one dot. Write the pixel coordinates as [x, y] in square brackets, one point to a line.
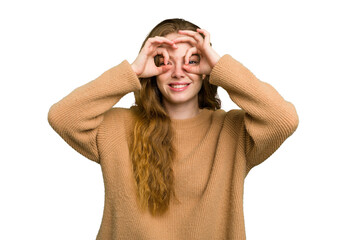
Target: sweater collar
[203, 117]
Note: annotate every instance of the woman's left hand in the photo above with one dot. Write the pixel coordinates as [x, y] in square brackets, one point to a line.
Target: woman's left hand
[201, 46]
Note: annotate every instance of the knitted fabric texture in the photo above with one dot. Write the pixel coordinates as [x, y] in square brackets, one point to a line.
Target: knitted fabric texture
[215, 152]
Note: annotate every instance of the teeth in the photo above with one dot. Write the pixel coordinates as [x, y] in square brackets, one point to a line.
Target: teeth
[178, 86]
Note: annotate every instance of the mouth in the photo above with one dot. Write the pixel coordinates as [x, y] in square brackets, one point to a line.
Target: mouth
[177, 87]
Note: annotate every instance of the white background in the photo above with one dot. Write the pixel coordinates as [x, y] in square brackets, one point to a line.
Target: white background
[308, 50]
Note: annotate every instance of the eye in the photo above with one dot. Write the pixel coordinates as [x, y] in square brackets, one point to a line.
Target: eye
[194, 59]
[159, 60]
[193, 62]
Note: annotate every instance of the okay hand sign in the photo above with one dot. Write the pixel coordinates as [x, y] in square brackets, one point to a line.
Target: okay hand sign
[200, 45]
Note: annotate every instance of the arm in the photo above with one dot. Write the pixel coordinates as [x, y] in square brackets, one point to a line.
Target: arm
[77, 117]
[268, 118]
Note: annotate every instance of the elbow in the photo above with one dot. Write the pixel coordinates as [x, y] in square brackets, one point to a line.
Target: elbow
[294, 124]
[51, 115]
[55, 117]
[287, 121]
[292, 120]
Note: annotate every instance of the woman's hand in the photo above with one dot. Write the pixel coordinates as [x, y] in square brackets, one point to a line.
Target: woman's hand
[201, 46]
[144, 65]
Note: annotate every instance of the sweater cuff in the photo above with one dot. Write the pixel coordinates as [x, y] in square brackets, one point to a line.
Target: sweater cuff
[126, 75]
[217, 71]
[230, 74]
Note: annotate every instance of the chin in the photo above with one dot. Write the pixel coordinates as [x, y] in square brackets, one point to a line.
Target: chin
[182, 100]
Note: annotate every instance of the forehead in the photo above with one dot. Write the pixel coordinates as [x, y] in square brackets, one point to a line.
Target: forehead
[182, 47]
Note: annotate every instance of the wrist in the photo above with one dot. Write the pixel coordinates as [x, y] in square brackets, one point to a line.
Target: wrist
[215, 58]
[133, 67]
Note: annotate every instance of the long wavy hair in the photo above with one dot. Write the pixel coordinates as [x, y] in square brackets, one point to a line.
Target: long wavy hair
[151, 148]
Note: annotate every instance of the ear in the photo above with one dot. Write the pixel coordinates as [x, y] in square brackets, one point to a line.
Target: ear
[203, 76]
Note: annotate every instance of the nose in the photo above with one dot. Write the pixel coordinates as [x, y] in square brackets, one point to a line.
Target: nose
[178, 71]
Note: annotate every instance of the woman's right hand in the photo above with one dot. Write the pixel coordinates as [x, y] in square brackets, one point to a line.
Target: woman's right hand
[144, 65]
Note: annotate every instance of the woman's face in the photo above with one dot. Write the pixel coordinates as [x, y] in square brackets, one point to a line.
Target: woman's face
[176, 85]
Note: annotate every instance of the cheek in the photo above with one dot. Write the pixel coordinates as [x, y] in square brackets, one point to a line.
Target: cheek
[163, 78]
[160, 80]
[196, 78]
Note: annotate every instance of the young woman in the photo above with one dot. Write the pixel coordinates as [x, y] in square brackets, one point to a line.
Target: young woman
[174, 164]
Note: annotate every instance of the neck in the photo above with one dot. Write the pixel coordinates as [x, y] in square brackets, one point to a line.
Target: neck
[182, 111]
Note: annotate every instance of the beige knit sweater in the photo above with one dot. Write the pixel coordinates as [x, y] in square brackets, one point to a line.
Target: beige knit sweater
[216, 150]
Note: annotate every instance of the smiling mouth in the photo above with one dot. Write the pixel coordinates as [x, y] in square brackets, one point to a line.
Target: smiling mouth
[179, 85]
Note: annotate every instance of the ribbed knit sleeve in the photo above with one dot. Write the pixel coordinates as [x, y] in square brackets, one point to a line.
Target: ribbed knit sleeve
[268, 119]
[77, 117]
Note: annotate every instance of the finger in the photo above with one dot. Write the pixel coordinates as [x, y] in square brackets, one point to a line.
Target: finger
[193, 34]
[157, 41]
[163, 52]
[206, 34]
[190, 40]
[187, 32]
[166, 56]
[191, 69]
[189, 53]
